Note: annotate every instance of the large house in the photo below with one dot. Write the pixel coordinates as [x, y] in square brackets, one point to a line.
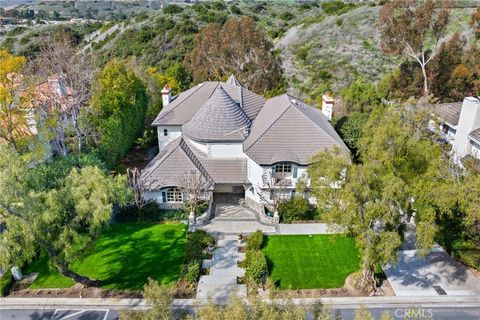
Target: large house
[234, 138]
[459, 124]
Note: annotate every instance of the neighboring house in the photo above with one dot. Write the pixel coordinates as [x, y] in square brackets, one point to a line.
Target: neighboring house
[49, 96]
[459, 124]
[234, 138]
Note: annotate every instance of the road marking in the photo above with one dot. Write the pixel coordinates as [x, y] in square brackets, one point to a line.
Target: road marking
[79, 311]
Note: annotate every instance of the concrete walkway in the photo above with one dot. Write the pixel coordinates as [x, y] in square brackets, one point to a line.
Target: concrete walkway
[221, 283]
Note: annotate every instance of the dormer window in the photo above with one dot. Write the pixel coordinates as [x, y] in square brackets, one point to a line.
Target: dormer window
[174, 195]
[283, 170]
[165, 132]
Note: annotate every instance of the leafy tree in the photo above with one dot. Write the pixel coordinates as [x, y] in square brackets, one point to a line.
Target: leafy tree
[239, 47]
[409, 26]
[117, 111]
[400, 169]
[12, 111]
[62, 223]
[159, 298]
[361, 96]
[475, 22]
[350, 128]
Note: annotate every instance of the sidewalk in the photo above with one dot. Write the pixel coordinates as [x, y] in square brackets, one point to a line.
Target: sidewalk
[184, 304]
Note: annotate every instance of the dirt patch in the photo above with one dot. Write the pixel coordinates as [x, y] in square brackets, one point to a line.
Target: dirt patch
[77, 291]
[348, 290]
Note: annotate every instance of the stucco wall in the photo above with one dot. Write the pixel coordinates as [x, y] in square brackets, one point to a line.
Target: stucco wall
[469, 121]
[173, 132]
[226, 150]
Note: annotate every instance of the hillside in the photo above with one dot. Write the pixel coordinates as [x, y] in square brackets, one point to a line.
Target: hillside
[330, 54]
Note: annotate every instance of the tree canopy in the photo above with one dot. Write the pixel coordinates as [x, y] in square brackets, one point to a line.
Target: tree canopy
[238, 47]
[115, 117]
[414, 29]
[400, 176]
[62, 222]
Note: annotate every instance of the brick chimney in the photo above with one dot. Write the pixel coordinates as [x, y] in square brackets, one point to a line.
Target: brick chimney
[166, 95]
[327, 105]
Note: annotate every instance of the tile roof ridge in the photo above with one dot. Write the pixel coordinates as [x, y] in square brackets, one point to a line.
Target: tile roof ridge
[191, 155]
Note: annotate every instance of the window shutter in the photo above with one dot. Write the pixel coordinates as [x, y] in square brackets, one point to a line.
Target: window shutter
[295, 172]
[273, 171]
[164, 197]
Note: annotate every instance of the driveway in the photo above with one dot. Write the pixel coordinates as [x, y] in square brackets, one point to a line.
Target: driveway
[435, 274]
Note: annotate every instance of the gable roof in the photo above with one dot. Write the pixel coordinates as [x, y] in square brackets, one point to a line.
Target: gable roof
[287, 129]
[219, 119]
[449, 112]
[180, 157]
[170, 165]
[186, 104]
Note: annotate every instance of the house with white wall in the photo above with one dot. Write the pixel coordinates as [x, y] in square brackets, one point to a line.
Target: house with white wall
[459, 124]
[234, 137]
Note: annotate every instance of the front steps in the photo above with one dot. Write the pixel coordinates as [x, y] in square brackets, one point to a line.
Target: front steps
[221, 283]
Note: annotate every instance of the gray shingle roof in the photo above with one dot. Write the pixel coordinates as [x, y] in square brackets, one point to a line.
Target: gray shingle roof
[475, 134]
[180, 157]
[168, 167]
[186, 104]
[220, 119]
[287, 129]
[449, 112]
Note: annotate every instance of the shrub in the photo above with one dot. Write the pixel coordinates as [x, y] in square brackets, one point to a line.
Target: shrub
[286, 16]
[172, 9]
[337, 7]
[255, 265]
[339, 22]
[295, 209]
[6, 282]
[192, 272]
[255, 241]
[197, 242]
[468, 253]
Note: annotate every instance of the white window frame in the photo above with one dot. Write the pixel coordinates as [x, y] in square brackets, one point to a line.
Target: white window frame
[174, 195]
[283, 170]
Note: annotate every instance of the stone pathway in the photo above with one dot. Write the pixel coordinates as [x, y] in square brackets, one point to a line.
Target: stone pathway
[221, 283]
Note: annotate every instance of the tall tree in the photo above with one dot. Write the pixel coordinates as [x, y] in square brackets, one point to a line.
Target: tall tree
[239, 47]
[117, 111]
[13, 107]
[400, 167]
[61, 223]
[414, 28]
[60, 58]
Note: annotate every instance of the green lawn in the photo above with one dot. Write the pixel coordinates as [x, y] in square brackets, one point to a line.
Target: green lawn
[124, 257]
[308, 262]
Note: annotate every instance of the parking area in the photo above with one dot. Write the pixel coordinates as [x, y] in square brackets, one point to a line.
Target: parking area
[59, 314]
[435, 274]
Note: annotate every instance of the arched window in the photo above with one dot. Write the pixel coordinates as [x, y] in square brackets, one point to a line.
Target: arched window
[174, 195]
[283, 170]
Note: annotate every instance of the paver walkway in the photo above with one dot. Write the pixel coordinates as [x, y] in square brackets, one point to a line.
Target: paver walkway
[221, 283]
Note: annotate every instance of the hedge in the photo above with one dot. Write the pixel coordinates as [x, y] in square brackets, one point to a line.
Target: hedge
[6, 282]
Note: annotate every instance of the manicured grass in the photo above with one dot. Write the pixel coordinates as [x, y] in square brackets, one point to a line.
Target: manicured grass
[308, 262]
[124, 257]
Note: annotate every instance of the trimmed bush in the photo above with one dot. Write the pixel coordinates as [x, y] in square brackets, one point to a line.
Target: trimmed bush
[255, 265]
[197, 242]
[192, 272]
[295, 209]
[255, 241]
[6, 282]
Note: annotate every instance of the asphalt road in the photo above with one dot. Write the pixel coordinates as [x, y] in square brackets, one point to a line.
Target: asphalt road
[438, 313]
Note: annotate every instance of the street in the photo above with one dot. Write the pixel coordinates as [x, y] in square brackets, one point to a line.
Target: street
[436, 313]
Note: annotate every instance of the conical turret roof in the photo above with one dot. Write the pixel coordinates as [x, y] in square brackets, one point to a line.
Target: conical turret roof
[234, 81]
[219, 119]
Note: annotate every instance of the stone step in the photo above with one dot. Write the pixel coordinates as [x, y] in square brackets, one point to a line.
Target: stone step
[219, 280]
[235, 219]
[236, 272]
[220, 294]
